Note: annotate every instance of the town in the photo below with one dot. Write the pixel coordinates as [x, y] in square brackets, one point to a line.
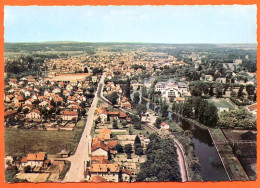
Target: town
[127, 112]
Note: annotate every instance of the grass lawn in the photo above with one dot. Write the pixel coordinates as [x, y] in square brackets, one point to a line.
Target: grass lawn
[222, 103]
[52, 142]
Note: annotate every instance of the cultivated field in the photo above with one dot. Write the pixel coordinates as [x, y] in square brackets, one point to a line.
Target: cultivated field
[18, 141]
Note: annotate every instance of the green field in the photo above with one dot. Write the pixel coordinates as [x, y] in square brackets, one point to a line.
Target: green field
[222, 103]
[17, 140]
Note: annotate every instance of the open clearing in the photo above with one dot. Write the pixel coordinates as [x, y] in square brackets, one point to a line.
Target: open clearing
[18, 142]
[222, 103]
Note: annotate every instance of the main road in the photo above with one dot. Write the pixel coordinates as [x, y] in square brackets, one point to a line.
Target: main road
[81, 156]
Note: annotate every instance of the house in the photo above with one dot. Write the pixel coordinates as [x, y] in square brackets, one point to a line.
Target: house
[252, 108]
[113, 115]
[65, 153]
[164, 126]
[126, 175]
[221, 80]
[159, 86]
[110, 172]
[94, 78]
[223, 109]
[69, 115]
[102, 114]
[35, 114]
[208, 78]
[34, 159]
[99, 148]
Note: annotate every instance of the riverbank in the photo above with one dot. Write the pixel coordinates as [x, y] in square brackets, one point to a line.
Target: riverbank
[196, 123]
[232, 166]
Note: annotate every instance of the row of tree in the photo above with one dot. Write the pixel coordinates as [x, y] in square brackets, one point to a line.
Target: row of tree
[199, 109]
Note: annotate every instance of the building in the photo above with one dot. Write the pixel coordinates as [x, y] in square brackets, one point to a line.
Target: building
[35, 114]
[69, 115]
[164, 126]
[65, 153]
[99, 148]
[126, 175]
[34, 159]
[110, 172]
[208, 77]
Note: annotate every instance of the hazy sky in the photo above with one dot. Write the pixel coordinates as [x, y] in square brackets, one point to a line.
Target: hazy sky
[158, 24]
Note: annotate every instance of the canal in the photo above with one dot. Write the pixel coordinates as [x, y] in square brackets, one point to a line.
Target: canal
[211, 166]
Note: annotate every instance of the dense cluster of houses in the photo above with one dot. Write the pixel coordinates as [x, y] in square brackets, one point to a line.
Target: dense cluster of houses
[33, 99]
[101, 168]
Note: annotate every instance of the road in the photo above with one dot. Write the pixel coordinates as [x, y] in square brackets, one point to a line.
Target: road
[78, 160]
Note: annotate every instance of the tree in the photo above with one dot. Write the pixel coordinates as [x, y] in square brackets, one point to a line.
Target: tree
[144, 92]
[128, 148]
[240, 91]
[109, 156]
[164, 109]
[240, 118]
[187, 110]
[137, 140]
[141, 109]
[124, 123]
[139, 149]
[25, 110]
[113, 98]
[85, 70]
[158, 122]
[162, 161]
[219, 90]
[196, 88]
[27, 169]
[233, 94]
[119, 148]
[211, 92]
[127, 88]
[115, 126]
[96, 70]
[136, 98]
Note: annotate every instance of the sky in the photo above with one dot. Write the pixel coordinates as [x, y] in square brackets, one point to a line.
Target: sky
[149, 24]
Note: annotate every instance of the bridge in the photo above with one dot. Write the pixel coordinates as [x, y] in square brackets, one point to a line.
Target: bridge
[237, 142]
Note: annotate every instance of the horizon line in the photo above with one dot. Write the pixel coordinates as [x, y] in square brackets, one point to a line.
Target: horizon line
[255, 43]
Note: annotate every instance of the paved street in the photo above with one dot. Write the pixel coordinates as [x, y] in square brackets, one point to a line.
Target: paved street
[78, 160]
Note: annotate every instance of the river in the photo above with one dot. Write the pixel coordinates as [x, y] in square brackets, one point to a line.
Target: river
[211, 166]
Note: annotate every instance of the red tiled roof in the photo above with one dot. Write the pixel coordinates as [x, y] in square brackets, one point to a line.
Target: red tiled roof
[98, 145]
[35, 157]
[127, 172]
[252, 107]
[70, 113]
[122, 115]
[112, 144]
[97, 179]
[9, 112]
[24, 160]
[163, 124]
